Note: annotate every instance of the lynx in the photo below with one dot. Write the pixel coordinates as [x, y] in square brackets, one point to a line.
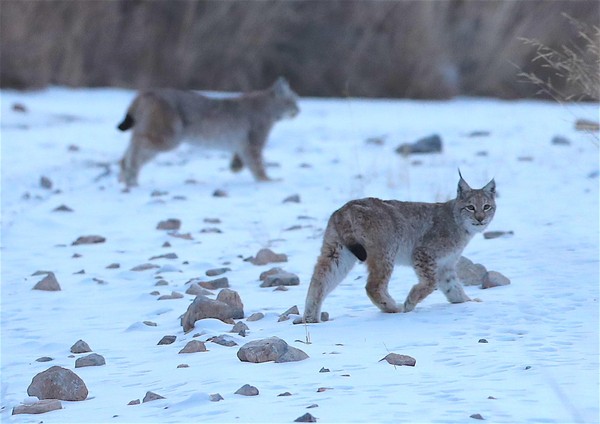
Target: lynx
[163, 119]
[430, 237]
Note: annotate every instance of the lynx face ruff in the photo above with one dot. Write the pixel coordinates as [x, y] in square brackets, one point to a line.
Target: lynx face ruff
[430, 237]
[163, 119]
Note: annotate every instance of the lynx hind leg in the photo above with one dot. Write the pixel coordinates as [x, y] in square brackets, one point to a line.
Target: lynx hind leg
[333, 265]
[424, 266]
[448, 283]
[380, 272]
[135, 157]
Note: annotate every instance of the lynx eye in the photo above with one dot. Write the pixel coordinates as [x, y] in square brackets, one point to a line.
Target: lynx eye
[486, 207]
[470, 208]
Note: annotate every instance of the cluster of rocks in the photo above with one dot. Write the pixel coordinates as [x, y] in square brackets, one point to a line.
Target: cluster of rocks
[226, 307]
[472, 274]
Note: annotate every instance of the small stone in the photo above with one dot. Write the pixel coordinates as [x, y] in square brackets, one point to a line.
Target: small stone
[58, 383]
[46, 182]
[212, 220]
[91, 360]
[223, 341]
[283, 318]
[491, 397]
[183, 366]
[495, 234]
[134, 402]
[559, 140]
[430, 144]
[166, 244]
[482, 341]
[324, 316]
[247, 390]
[89, 240]
[292, 311]
[150, 396]
[19, 107]
[169, 224]
[195, 289]
[48, 283]
[113, 266]
[160, 283]
[314, 405]
[477, 417]
[306, 418]
[294, 198]
[468, 273]
[165, 256]
[39, 407]
[255, 317]
[44, 359]
[219, 283]
[99, 281]
[324, 370]
[239, 327]
[76, 255]
[265, 256]
[158, 193]
[150, 323]
[400, 360]
[144, 267]
[219, 193]
[216, 397]
[62, 208]
[211, 230]
[478, 133]
[80, 347]
[525, 158]
[173, 295]
[167, 340]
[284, 394]
[281, 279]
[193, 346]
[272, 271]
[227, 306]
[376, 141]
[183, 236]
[216, 271]
[494, 279]
[323, 389]
[81, 271]
[270, 349]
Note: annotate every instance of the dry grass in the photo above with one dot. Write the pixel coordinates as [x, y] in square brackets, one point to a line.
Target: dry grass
[417, 49]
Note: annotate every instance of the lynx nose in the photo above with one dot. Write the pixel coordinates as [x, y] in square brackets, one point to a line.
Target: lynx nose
[479, 217]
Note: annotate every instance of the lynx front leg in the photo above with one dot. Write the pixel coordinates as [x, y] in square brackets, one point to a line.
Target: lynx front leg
[449, 284]
[332, 266]
[133, 160]
[380, 272]
[424, 266]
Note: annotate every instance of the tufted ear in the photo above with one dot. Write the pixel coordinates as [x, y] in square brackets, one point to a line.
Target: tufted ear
[281, 85]
[463, 187]
[490, 188]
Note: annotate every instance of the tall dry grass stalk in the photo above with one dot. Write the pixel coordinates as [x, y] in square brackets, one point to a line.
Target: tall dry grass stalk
[576, 63]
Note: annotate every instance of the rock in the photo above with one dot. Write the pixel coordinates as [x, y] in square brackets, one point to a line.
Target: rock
[495, 234]
[92, 360]
[58, 383]
[314, 405]
[196, 290]
[396, 359]
[219, 283]
[183, 236]
[240, 328]
[62, 208]
[211, 230]
[48, 283]
[270, 349]
[150, 396]
[255, 317]
[227, 306]
[193, 346]
[173, 295]
[559, 140]
[150, 323]
[247, 390]
[294, 198]
[216, 271]
[284, 394]
[144, 267]
[216, 397]
[266, 256]
[161, 283]
[281, 279]
[377, 140]
[477, 417]
[167, 340]
[183, 366]
[306, 418]
[272, 271]
[430, 144]
[212, 220]
[324, 370]
[80, 347]
[166, 244]
[219, 193]
[19, 107]
[478, 133]
[89, 240]
[223, 341]
[468, 273]
[113, 266]
[44, 359]
[482, 341]
[39, 407]
[292, 311]
[165, 256]
[169, 224]
[494, 279]
[46, 182]
[134, 402]
[587, 125]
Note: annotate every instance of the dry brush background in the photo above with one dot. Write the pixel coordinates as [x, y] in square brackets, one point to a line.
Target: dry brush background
[415, 49]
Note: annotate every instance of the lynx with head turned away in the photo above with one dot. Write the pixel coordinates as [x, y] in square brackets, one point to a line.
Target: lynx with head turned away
[163, 119]
[430, 237]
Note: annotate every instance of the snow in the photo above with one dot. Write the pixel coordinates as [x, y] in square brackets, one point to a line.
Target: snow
[541, 360]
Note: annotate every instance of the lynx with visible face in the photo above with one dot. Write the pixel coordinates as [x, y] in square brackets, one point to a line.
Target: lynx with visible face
[163, 119]
[429, 237]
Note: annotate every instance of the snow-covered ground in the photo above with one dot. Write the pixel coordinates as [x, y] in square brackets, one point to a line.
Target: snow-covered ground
[541, 360]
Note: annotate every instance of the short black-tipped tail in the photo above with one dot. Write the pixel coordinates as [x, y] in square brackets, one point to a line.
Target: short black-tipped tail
[359, 251]
[127, 123]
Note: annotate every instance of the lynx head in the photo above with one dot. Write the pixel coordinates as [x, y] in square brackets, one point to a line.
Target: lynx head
[476, 207]
[284, 99]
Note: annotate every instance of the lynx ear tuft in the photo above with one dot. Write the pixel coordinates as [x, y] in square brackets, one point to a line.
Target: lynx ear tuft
[463, 187]
[281, 85]
[490, 188]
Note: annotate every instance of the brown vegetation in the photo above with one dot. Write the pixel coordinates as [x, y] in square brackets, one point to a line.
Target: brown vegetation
[418, 49]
